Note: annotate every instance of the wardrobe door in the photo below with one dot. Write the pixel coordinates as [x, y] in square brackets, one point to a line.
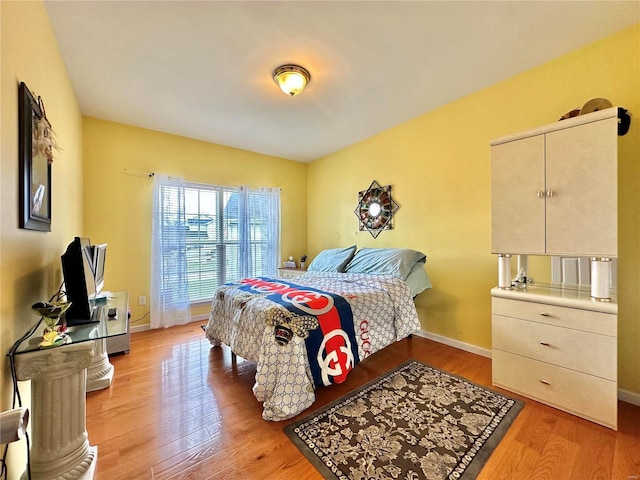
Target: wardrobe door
[581, 190]
[517, 196]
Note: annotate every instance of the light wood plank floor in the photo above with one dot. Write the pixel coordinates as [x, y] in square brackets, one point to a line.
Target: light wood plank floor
[179, 409]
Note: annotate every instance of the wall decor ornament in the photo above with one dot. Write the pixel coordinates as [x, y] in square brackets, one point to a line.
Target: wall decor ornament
[375, 209]
[36, 146]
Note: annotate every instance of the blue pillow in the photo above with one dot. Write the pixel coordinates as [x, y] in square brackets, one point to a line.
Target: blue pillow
[418, 280]
[397, 262]
[332, 260]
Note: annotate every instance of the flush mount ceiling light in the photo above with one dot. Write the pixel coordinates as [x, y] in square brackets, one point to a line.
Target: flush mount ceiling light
[291, 79]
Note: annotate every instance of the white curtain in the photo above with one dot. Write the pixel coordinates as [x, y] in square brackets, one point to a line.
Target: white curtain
[244, 233]
[271, 210]
[258, 231]
[169, 286]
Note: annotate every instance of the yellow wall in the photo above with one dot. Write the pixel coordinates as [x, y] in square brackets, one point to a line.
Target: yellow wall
[439, 167]
[117, 206]
[30, 268]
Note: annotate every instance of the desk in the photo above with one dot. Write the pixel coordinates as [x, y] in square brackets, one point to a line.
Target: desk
[60, 445]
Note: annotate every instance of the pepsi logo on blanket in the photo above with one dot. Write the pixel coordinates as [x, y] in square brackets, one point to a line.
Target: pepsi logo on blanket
[332, 349]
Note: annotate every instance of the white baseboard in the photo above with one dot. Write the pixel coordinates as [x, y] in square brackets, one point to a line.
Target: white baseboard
[140, 328]
[467, 347]
[147, 326]
[629, 397]
[623, 395]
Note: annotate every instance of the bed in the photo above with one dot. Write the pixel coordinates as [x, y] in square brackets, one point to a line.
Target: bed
[312, 330]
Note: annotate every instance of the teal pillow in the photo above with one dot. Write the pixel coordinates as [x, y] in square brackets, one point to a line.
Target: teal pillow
[332, 260]
[418, 280]
[397, 262]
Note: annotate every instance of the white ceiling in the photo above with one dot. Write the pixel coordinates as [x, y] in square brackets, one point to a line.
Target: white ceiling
[202, 69]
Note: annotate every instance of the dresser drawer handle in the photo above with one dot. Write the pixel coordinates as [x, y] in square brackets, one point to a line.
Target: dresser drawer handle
[546, 344]
[546, 382]
[545, 314]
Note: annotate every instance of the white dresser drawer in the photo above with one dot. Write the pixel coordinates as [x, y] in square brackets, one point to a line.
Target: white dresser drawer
[290, 272]
[590, 321]
[585, 352]
[590, 397]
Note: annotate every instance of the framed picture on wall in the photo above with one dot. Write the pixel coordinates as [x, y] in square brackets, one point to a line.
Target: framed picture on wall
[35, 145]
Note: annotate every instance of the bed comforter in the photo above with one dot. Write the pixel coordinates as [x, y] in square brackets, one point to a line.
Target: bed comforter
[383, 312]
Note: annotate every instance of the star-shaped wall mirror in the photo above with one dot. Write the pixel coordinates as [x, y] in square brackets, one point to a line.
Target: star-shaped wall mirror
[375, 209]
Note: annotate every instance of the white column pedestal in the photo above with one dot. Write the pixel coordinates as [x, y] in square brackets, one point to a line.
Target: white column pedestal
[100, 372]
[59, 443]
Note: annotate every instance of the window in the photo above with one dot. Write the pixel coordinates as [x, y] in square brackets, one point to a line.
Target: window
[229, 233]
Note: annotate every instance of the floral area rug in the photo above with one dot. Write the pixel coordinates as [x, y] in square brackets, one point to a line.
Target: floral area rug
[415, 422]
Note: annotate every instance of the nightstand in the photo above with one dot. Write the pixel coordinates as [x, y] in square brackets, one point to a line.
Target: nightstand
[291, 272]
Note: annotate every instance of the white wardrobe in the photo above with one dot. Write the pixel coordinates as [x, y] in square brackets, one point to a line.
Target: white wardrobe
[554, 192]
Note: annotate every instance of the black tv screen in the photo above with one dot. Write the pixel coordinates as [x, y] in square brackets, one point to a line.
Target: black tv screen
[79, 281]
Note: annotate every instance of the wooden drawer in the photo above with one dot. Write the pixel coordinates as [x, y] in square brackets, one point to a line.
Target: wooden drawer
[575, 318]
[587, 396]
[574, 349]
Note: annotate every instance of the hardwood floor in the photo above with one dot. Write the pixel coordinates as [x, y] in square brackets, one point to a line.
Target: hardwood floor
[180, 409]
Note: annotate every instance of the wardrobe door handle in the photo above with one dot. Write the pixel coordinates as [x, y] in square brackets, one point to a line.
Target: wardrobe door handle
[539, 193]
[546, 382]
[549, 193]
[545, 344]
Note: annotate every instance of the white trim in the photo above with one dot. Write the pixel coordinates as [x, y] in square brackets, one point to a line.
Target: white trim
[146, 326]
[623, 395]
[629, 397]
[201, 303]
[467, 347]
[140, 328]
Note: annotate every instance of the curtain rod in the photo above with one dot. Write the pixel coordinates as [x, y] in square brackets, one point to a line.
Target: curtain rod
[137, 173]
